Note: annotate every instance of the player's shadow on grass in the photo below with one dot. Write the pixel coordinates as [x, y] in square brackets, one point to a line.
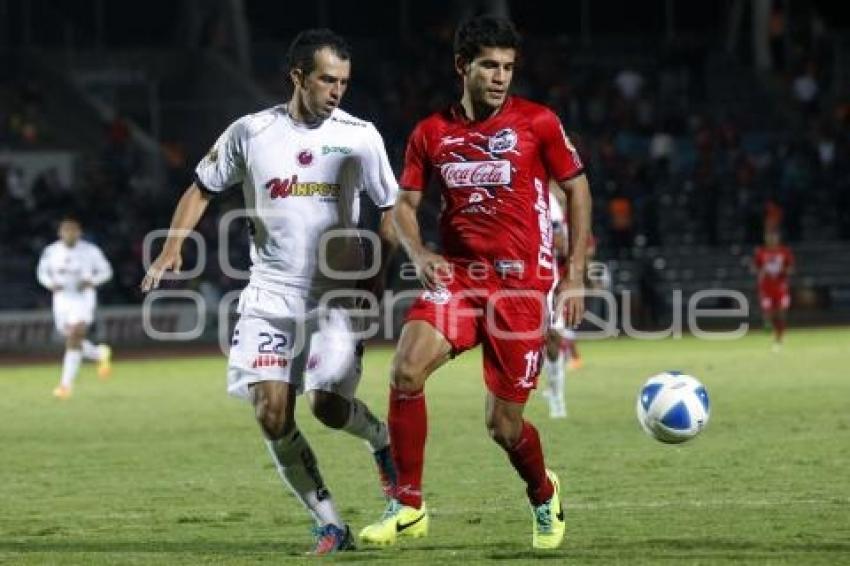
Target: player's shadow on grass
[683, 548]
[156, 547]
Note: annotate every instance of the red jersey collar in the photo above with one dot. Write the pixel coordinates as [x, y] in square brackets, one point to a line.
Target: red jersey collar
[458, 114]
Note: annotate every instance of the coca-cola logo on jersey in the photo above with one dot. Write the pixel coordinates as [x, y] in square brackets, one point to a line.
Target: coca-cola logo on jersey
[477, 174]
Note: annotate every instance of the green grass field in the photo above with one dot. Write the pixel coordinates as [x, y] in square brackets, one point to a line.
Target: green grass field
[159, 466]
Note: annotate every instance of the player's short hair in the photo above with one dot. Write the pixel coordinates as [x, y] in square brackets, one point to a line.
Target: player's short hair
[485, 31]
[302, 50]
[70, 217]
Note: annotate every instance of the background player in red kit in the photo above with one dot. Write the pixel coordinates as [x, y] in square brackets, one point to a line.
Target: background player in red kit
[492, 155]
[773, 264]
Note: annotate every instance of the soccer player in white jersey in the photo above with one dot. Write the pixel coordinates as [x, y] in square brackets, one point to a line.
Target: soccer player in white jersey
[561, 349]
[558, 333]
[72, 268]
[301, 166]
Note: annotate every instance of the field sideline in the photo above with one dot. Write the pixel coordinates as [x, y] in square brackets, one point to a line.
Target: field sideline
[159, 466]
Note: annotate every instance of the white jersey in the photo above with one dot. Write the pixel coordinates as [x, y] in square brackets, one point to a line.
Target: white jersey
[69, 267]
[300, 184]
[556, 213]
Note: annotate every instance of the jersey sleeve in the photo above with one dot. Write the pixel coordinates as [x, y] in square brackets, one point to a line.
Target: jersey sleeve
[559, 155]
[414, 176]
[758, 258]
[43, 271]
[224, 165]
[377, 176]
[101, 270]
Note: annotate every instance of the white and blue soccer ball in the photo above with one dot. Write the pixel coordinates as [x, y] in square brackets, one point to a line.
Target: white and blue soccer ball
[673, 407]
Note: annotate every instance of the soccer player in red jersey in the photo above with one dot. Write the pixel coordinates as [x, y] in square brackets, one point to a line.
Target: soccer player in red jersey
[774, 263]
[492, 156]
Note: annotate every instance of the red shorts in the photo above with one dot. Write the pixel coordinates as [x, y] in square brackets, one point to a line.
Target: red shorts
[774, 296]
[508, 323]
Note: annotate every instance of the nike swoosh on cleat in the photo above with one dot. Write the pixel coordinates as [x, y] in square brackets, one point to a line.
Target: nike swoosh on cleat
[400, 527]
[560, 514]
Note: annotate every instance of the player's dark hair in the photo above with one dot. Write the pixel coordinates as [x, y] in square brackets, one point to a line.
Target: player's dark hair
[302, 50]
[71, 217]
[485, 31]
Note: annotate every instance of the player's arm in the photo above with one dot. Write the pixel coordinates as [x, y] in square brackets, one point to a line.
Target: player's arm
[577, 191]
[564, 164]
[792, 265]
[44, 275]
[429, 265]
[101, 269]
[221, 168]
[189, 210]
[389, 244]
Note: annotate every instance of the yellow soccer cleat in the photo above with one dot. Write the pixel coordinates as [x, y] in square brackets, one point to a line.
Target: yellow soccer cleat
[104, 365]
[398, 520]
[62, 392]
[548, 519]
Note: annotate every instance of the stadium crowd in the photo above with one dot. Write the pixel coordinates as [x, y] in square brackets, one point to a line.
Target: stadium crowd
[647, 132]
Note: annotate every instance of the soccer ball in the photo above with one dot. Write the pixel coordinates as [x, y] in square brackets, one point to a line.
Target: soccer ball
[672, 407]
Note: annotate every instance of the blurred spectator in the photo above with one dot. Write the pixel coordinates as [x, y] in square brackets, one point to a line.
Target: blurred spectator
[806, 90]
[621, 222]
[15, 219]
[661, 148]
[776, 31]
[629, 84]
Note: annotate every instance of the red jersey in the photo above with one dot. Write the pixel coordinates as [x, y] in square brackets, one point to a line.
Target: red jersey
[493, 176]
[773, 264]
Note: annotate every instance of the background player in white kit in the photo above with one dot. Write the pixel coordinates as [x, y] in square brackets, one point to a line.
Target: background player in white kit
[72, 268]
[302, 166]
[558, 332]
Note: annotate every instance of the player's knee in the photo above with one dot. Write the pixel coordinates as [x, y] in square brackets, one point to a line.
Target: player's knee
[331, 410]
[504, 430]
[407, 375]
[272, 416]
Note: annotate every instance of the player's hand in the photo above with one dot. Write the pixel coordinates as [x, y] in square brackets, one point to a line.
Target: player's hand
[573, 288]
[433, 269]
[166, 261]
[84, 285]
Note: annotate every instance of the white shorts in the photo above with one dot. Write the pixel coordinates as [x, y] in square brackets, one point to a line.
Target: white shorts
[72, 310]
[283, 337]
[557, 318]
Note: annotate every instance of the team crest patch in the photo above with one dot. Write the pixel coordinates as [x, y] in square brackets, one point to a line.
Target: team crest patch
[504, 140]
[304, 158]
[439, 296]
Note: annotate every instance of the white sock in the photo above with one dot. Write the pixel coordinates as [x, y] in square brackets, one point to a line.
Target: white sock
[299, 470]
[555, 373]
[70, 367]
[363, 424]
[90, 351]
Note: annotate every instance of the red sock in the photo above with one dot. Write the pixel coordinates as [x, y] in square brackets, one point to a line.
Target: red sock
[779, 327]
[527, 458]
[408, 424]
